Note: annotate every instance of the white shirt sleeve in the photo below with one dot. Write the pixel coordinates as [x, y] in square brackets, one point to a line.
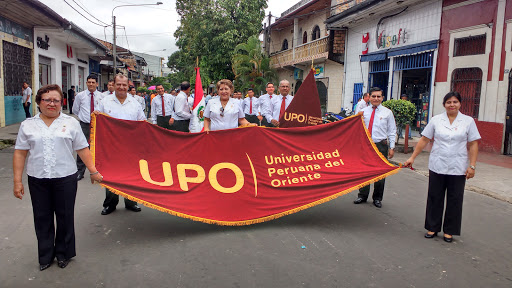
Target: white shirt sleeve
[429, 130]
[153, 111]
[79, 140]
[473, 133]
[21, 139]
[241, 113]
[207, 110]
[391, 130]
[76, 104]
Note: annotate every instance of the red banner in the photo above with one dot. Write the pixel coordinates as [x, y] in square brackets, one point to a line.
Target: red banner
[237, 176]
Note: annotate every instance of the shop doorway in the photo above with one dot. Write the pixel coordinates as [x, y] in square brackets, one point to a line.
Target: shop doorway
[379, 76]
[66, 82]
[508, 121]
[322, 92]
[416, 85]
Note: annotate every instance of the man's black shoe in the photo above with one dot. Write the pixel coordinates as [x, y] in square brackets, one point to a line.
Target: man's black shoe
[359, 200]
[377, 203]
[107, 210]
[44, 266]
[63, 263]
[79, 177]
[134, 208]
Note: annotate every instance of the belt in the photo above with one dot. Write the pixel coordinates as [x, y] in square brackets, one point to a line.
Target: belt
[384, 142]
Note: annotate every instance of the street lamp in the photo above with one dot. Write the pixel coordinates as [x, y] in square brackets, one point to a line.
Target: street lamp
[114, 27]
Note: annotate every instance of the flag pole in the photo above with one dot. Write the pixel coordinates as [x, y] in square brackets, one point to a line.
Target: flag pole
[312, 65]
[197, 61]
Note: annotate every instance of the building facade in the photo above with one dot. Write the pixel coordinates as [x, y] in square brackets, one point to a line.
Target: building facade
[475, 59]
[298, 39]
[392, 45]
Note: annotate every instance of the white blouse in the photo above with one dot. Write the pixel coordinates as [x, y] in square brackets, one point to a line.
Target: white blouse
[232, 112]
[50, 149]
[449, 154]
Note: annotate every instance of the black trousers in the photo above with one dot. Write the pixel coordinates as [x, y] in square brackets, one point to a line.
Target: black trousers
[163, 121]
[181, 125]
[112, 199]
[378, 190]
[439, 186]
[54, 198]
[252, 119]
[86, 128]
[27, 110]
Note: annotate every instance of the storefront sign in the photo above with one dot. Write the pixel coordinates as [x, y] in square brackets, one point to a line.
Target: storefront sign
[298, 74]
[366, 37]
[386, 41]
[319, 71]
[43, 44]
[81, 61]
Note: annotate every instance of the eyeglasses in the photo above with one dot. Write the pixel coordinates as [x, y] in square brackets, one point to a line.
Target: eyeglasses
[54, 101]
[221, 111]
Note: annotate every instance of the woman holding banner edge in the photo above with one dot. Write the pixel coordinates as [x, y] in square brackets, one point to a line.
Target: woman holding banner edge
[450, 165]
[224, 112]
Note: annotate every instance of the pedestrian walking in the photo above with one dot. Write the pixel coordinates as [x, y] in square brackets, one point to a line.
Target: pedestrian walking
[47, 142]
[450, 165]
[26, 99]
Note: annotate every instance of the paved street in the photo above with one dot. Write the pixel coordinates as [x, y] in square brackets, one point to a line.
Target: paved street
[345, 245]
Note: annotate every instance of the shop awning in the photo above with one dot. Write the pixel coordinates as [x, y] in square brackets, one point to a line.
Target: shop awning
[376, 56]
[413, 49]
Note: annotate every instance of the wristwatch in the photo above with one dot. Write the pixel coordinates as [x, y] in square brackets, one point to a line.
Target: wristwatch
[472, 167]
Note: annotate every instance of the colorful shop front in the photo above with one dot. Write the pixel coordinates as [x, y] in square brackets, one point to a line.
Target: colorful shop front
[395, 49]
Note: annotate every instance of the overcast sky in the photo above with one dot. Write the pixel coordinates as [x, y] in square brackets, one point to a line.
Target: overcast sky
[148, 29]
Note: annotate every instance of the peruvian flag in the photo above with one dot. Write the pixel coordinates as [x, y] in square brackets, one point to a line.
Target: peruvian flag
[197, 120]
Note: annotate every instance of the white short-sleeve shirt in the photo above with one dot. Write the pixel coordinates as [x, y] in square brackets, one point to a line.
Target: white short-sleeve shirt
[449, 153]
[232, 112]
[128, 110]
[50, 149]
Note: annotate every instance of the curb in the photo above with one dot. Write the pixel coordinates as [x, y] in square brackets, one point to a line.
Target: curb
[471, 188]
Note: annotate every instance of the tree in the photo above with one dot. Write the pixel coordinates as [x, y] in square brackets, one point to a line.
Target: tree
[251, 66]
[211, 29]
[403, 111]
[160, 80]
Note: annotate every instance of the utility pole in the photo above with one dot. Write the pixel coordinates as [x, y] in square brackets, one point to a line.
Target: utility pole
[114, 44]
[267, 39]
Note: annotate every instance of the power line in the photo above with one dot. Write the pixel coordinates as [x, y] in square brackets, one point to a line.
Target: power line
[83, 14]
[126, 38]
[86, 11]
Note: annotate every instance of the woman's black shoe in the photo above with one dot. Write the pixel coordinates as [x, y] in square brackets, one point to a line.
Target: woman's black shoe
[63, 263]
[446, 239]
[44, 267]
[429, 236]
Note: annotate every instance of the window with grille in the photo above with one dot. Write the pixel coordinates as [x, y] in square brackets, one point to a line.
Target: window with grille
[285, 45]
[316, 33]
[468, 82]
[472, 45]
[305, 37]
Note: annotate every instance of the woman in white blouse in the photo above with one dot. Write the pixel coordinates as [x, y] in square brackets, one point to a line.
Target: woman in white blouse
[450, 164]
[224, 112]
[47, 141]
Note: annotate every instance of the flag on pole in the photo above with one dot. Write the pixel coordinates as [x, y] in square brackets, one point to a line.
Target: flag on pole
[197, 120]
[304, 110]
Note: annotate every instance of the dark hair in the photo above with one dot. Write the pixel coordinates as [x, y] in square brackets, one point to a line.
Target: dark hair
[111, 80]
[375, 89]
[366, 94]
[92, 76]
[47, 88]
[131, 87]
[159, 84]
[450, 95]
[250, 89]
[266, 86]
[185, 85]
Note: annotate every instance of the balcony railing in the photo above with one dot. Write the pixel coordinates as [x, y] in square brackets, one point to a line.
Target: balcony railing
[344, 5]
[305, 52]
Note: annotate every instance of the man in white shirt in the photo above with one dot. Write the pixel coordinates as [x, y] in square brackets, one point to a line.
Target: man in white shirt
[111, 89]
[26, 99]
[140, 100]
[85, 103]
[182, 113]
[252, 108]
[281, 102]
[162, 115]
[363, 103]
[121, 106]
[382, 127]
[266, 105]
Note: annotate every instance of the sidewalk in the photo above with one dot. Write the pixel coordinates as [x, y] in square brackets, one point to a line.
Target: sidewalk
[493, 175]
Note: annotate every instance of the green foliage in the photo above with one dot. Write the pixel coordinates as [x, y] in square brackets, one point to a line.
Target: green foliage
[142, 89]
[160, 80]
[251, 66]
[210, 30]
[404, 111]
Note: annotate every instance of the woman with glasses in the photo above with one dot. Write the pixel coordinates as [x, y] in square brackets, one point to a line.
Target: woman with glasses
[47, 141]
[224, 112]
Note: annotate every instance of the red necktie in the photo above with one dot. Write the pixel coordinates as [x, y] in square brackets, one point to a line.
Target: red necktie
[250, 109]
[370, 125]
[163, 106]
[270, 96]
[283, 108]
[92, 102]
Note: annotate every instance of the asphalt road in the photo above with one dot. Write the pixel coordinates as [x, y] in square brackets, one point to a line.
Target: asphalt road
[346, 245]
